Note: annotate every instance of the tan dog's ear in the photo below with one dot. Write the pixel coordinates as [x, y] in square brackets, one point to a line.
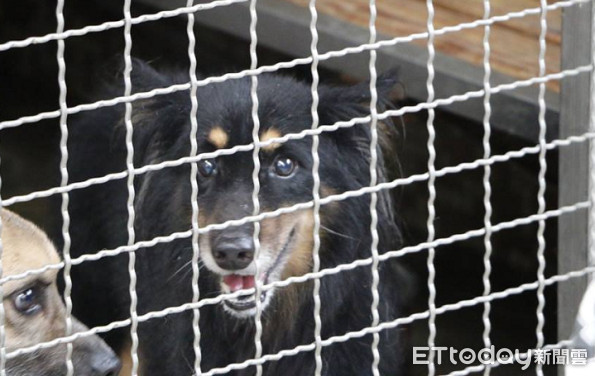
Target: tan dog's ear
[25, 247]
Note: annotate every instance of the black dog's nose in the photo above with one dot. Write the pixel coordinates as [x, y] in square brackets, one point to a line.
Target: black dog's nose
[105, 363]
[233, 253]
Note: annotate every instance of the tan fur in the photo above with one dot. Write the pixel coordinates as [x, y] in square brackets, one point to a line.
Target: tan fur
[142, 112]
[333, 206]
[274, 232]
[299, 263]
[300, 260]
[270, 134]
[26, 247]
[126, 361]
[326, 191]
[218, 137]
[203, 221]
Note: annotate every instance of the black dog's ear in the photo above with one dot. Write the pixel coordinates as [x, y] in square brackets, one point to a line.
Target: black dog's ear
[156, 120]
[344, 103]
[145, 78]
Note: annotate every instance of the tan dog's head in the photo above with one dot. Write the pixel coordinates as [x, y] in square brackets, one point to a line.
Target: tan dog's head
[35, 313]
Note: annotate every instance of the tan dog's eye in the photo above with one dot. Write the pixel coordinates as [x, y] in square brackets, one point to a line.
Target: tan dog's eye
[27, 302]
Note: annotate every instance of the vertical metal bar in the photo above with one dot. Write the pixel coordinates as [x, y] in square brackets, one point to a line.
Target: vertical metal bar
[130, 186]
[64, 182]
[374, 195]
[194, 185]
[256, 183]
[542, 187]
[573, 229]
[315, 190]
[432, 191]
[487, 187]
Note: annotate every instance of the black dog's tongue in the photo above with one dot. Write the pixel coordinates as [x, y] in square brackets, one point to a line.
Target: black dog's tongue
[239, 282]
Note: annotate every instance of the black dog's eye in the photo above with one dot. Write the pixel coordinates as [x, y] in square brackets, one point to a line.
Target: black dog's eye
[207, 168]
[284, 166]
[28, 301]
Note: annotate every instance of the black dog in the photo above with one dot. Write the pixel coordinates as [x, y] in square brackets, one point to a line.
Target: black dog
[162, 205]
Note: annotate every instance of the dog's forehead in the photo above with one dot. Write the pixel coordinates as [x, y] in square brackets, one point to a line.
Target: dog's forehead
[221, 137]
[284, 106]
[25, 247]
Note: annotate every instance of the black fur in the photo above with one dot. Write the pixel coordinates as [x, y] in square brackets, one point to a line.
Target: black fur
[162, 205]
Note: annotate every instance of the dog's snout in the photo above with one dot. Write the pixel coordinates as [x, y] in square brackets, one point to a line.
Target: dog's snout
[233, 253]
[93, 357]
[105, 363]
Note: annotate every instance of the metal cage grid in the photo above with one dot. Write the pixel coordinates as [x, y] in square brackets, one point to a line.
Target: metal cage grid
[486, 162]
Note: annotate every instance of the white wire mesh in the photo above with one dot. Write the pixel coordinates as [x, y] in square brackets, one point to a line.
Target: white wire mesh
[64, 182]
[290, 64]
[305, 205]
[542, 187]
[432, 191]
[194, 184]
[487, 187]
[374, 261]
[131, 190]
[256, 183]
[315, 189]
[374, 196]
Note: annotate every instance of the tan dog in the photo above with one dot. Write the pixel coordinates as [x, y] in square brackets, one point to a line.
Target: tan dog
[35, 313]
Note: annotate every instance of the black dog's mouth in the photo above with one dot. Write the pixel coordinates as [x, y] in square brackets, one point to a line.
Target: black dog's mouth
[245, 304]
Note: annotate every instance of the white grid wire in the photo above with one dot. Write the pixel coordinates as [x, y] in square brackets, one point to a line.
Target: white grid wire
[342, 268]
[290, 64]
[487, 186]
[542, 186]
[130, 189]
[374, 253]
[432, 103]
[64, 182]
[290, 136]
[315, 189]
[256, 183]
[431, 192]
[305, 205]
[194, 192]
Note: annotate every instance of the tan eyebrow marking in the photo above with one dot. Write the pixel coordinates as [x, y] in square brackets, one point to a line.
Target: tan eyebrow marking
[218, 137]
[270, 134]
